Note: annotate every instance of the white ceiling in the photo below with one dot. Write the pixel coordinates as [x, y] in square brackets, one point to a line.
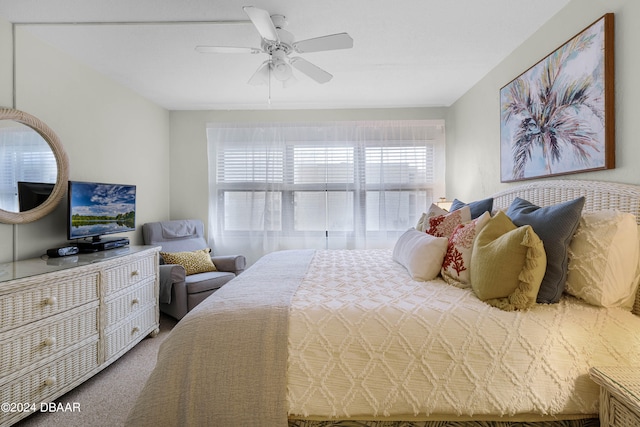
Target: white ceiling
[407, 53]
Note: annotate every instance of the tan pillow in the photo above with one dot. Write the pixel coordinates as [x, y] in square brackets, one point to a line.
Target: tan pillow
[193, 262]
[507, 264]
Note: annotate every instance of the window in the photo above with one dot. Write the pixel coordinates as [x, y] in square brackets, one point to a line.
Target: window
[338, 185]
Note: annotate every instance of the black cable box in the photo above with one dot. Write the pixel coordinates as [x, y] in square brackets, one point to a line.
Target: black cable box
[102, 244]
[63, 251]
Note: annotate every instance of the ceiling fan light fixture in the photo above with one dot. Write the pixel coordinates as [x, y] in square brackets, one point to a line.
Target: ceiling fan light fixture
[280, 66]
[281, 70]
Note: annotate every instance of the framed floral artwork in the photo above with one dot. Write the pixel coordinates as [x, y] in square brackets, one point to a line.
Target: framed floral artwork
[558, 116]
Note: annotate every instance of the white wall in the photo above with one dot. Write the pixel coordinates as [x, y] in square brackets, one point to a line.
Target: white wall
[473, 122]
[109, 133]
[189, 169]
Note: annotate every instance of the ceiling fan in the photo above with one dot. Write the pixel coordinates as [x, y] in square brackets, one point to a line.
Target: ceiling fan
[279, 44]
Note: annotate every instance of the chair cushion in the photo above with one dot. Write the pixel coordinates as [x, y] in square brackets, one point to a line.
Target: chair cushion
[176, 235]
[203, 282]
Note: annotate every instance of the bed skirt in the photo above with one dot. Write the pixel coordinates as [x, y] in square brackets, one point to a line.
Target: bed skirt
[590, 422]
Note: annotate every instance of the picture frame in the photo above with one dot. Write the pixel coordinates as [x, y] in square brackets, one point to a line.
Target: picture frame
[558, 117]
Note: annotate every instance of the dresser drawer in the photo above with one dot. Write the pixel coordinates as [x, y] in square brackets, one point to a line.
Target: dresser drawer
[39, 301]
[130, 301]
[130, 331]
[128, 274]
[28, 345]
[49, 380]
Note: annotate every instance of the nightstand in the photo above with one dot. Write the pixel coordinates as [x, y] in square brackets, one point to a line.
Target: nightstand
[619, 395]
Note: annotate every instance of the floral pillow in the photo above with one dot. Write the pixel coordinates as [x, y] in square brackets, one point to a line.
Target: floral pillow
[434, 210]
[444, 225]
[457, 260]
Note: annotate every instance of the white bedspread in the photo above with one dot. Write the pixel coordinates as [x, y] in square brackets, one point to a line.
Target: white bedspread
[366, 339]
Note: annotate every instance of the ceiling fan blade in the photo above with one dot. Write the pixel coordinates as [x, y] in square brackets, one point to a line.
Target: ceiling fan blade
[261, 76]
[263, 23]
[331, 42]
[227, 49]
[313, 71]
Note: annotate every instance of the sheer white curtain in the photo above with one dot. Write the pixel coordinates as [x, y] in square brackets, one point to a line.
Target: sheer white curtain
[276, 186]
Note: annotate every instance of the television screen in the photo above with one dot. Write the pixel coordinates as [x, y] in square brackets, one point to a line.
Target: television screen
[33, 194]
[96, 209]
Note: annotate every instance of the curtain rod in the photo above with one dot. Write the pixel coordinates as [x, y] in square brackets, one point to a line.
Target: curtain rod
[92, 23]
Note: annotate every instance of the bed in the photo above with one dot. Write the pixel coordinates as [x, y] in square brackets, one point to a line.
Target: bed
[312, 338]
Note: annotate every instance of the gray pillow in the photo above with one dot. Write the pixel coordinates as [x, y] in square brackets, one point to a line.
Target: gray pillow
[555, 225]
[477, 208]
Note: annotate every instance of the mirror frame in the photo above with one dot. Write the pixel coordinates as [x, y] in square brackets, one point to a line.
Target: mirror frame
[62, 162]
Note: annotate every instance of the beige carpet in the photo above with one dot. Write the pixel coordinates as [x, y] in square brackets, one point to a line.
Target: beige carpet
[106, 398]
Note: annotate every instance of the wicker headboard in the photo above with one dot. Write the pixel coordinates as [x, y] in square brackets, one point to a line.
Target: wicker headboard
[598, 195]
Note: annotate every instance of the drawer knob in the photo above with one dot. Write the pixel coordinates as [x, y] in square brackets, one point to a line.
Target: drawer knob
[50, 341]
[135, 273]
[51, 300]
[50, 381]
[135, 301]
[135, 330]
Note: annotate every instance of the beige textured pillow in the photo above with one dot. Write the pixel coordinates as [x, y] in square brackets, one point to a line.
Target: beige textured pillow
[603, 259]
[193, 262]
[420, 253]
[507, 264]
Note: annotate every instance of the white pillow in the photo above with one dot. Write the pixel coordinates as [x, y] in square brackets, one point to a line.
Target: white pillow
[420, 253]
[603, 259]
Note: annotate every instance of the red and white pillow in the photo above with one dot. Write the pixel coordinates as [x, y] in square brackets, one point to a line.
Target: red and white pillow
[443, 225]
[457, 260]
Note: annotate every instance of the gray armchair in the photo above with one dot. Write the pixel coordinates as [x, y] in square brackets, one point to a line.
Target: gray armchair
[180, 293]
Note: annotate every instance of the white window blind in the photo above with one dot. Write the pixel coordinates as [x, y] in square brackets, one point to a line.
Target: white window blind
[339, 184]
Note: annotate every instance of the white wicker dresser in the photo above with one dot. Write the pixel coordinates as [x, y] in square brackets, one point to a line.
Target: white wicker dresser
[62, 320]
[619, 395]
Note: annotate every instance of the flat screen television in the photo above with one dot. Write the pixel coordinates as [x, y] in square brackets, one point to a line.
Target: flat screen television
[96, 209]
[33, 194]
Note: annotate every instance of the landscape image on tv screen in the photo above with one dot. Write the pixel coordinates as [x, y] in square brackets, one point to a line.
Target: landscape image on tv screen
[97, 209]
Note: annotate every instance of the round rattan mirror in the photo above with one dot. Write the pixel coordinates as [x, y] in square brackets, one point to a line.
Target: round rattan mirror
[12, 117]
